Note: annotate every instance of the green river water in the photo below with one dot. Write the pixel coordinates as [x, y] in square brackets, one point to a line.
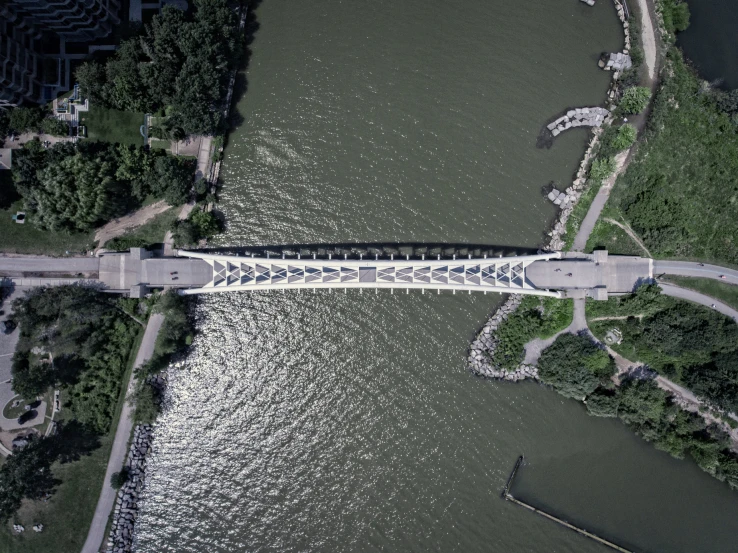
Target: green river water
[349, 422]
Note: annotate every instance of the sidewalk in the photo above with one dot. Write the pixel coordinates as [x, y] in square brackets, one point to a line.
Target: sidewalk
[106, 502]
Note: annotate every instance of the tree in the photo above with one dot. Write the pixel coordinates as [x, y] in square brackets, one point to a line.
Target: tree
[118, 479]
[25, 119]
[601, 169]
[603, 403]
[136, 166]
[173, 180]
[77, 193]
[625, 138]
[26, 475]
[206, 223]
[54, 127]
[91, 77]
[126, 88]
[635, 99]
[31, 379]
[575, 366]
[184, 233]
[675, 14]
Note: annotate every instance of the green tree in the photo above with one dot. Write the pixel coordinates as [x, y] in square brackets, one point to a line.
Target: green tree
[118, 479]
[77, 193]
[575, 366]
[635, 99]
[92, 79]
[54, 127]
[126, 89]
[625, 137]
[25, 475]
[603, 403]
[31, 379]
[173, 180]
[206, 223]
[675, 14]
[136, 166]
[25, 119]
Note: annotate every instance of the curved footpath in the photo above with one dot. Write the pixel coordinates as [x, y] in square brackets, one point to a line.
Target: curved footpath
[696, 297]
[120, 444]
[694, 269]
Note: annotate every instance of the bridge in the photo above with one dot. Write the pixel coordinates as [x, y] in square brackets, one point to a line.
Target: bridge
[557, 274]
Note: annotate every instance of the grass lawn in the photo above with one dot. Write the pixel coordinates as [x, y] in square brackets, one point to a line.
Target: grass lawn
[28, 239]
[613, 238]
[726, 293]
[164, 144]
[68, 513]
[146, 235]
[111, 125]
[10, 412]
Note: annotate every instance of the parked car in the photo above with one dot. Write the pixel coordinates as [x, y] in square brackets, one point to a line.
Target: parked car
[27, 416]
[8, 326]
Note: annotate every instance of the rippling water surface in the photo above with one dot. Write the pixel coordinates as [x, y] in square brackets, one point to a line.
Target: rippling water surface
[348, 422]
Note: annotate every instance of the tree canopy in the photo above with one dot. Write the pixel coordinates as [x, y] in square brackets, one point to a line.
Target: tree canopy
[79, 186]
[181, 61]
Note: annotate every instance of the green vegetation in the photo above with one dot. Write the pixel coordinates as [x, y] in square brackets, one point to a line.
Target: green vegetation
[112, 125]
[25, 119]
[89, 339]
[74, 187]
[117, 479]
[146, 235]
[535, 318]
[635, 99]
[30, 239]
[175, 335]
[602, 168]
[726, 293]
[689, 344]
[54, 127]
[575, 366]
[181, 61]
[675, 14]
[626, 137]
[200, 224]
[680, 195]
[614, 239]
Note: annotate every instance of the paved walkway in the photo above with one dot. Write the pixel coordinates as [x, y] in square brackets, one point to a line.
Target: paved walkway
[535, 347]
[118, 453]
[696, 297]
[694, 269]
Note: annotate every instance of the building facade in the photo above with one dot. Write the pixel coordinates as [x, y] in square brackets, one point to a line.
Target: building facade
[34, 64]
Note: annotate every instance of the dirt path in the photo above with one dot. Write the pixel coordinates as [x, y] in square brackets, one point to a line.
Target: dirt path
[648, 39]
[535, 347]
[117, 227]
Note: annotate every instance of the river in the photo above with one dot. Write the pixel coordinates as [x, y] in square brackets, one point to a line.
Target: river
[349, 422]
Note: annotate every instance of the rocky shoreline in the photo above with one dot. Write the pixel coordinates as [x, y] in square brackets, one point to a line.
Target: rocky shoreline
[483, 347]
[126, 505]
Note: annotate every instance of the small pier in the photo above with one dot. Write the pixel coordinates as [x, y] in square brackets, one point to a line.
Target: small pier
[508, 496]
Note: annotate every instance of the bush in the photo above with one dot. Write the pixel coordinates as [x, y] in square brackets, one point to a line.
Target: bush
[675, 14]
[54, 127]
[603, 403]
[625, 138]
[635, 99]
[147, 402]
[602, 168]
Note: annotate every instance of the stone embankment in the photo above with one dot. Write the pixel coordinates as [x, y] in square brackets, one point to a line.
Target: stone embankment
[482, 349]
[579, 117]
[126, 505]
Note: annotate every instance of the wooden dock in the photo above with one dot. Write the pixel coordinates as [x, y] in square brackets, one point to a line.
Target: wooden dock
[508, 496]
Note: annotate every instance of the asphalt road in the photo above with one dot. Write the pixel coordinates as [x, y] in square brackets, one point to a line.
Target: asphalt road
[693, 269]
[14, 266]
[106, 502]
[696, 297]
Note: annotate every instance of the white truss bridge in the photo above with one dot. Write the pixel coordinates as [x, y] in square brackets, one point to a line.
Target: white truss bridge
[237, 273]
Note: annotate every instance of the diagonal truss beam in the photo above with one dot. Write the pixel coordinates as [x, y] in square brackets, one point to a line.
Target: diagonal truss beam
[236, 273]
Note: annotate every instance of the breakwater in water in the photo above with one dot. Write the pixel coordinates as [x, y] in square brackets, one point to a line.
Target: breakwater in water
[126, 504]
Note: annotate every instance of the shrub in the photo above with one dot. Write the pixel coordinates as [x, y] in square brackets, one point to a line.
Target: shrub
[602, 403]
[147, 401]
[635, 99]
[601, 169]
[625, 137]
